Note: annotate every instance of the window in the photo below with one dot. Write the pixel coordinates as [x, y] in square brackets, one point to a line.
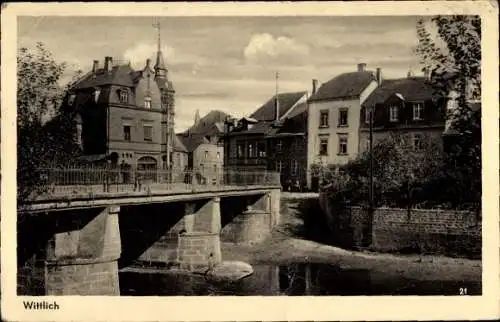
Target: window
[218, 155]
[97, 92]
[239, 150]
[279, 166]
[342, 144]
[215, 167]
[126, 133]
[418, 142]
[147, 103]
[393, 114]
[279, 145]
[123, 96]
[251, 150]
[323, 118]
[343, 116]
[323, 146]
[206, 155]
[417, 111]
[294, 166]
[261, 147]
[148, 133]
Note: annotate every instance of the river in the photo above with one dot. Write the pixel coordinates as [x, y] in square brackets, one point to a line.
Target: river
[293, 262]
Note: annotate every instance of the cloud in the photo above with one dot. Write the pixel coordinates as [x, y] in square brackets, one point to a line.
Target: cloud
[264, 46]
[138, 54]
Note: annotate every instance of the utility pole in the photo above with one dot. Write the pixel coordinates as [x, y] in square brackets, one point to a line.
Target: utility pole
[371, 188]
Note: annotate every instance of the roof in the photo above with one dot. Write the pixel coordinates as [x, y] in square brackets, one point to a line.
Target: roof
[286, 101]
[299, 109]
[192, 141]
[178, 145]
[210, 123]
[344, 85]
[122, 75]
[410, 88]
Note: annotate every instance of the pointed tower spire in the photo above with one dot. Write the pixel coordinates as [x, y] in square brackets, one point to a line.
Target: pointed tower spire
[197, 117]
[160, 69]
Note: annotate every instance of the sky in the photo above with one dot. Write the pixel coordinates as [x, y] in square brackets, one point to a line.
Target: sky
[229, 63]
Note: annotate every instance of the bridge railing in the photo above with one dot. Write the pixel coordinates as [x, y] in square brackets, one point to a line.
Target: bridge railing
[74, 180]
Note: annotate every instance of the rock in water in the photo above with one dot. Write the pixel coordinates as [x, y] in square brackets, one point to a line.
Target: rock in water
[230, 271]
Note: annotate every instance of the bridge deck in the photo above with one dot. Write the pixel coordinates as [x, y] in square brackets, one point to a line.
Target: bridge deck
[74, 197]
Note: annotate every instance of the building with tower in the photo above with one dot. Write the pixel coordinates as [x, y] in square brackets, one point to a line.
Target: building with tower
[126, 116]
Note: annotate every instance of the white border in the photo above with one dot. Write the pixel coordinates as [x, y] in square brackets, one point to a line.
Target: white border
[258, 308]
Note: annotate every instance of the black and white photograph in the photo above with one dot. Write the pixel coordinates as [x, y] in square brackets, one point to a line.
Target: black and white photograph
[248, 155]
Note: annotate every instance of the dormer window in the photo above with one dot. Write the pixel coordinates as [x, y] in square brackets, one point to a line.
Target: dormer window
[147, 102]
[71, 99]
[393, 113]
[97, 92]
[123, 96]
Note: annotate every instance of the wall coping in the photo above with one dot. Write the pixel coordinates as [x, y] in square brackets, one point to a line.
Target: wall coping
[436, 210]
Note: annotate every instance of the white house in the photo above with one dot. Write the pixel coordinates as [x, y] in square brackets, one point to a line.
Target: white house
[334, 114]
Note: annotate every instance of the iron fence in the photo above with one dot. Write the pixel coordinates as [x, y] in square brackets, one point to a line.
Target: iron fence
[106, 179]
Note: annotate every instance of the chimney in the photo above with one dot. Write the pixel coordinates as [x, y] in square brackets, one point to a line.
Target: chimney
[379, 75]
[95, 66]
[361, 67]
[315, 86]
[108, 63]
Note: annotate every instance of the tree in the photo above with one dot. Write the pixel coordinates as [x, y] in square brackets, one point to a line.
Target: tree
[453, 57]
[40, 143]
[399, 173]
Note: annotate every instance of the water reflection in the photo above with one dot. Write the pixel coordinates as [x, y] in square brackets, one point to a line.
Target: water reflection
[294, 280]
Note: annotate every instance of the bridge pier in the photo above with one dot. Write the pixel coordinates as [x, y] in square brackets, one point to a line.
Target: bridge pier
[82, 260]
[199, 244]
[255, 221]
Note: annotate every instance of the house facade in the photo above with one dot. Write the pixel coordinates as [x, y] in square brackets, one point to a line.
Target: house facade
[126, 116]
[274, 137]
[204, 157]
[406, 106]
[334, 119]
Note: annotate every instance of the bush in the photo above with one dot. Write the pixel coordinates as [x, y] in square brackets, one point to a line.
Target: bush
[403, 178]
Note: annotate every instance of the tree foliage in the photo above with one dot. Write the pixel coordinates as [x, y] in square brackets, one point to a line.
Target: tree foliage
[453, 57]
[39, 95]
[399, 174]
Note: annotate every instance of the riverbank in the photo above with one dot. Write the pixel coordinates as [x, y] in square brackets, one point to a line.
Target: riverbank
[284, 246]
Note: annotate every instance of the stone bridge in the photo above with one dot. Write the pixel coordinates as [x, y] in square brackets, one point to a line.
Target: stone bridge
[74, 243]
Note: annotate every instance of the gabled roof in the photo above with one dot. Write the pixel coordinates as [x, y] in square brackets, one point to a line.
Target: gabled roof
[192, 141]
[410, 88]
[209, 124]
[344, 85]
[286, 101]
